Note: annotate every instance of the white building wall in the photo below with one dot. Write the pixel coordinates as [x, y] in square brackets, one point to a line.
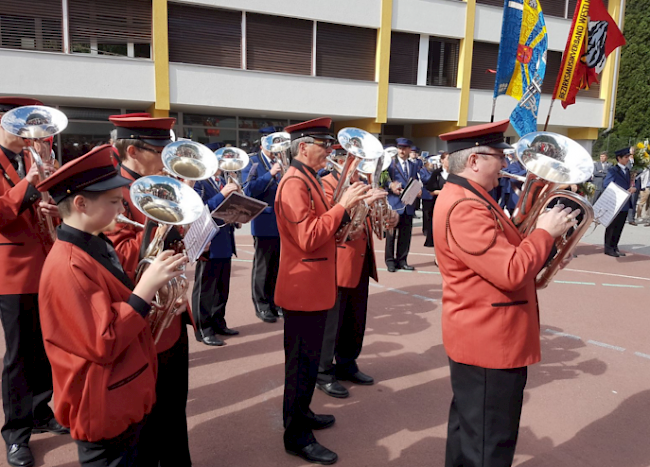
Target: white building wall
[363, 13]
[435, 17]
[270, 93]
[423, 103]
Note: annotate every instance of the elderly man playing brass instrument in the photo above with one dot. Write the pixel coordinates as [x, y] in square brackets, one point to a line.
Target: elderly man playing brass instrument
[490, 315]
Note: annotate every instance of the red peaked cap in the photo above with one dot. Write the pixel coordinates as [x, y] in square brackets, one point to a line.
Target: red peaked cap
[153, 131]
[8, 103]
[488, 134]
[318, 127]
[94, 171]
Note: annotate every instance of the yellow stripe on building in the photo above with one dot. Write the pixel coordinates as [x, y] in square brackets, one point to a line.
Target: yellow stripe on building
[160, 46]
[465, 62]
[607, 77]
[382, 65]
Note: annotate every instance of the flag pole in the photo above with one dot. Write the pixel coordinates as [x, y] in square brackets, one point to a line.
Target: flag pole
[494, 105]
[548, 117]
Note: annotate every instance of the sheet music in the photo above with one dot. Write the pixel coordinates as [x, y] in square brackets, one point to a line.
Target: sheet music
[610, 203]
[200, 233]
[410, 193]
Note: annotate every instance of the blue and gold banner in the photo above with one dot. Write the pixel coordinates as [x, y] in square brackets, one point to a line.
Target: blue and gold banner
[522, 61]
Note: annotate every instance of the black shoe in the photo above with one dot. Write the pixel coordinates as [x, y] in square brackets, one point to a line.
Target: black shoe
[213, 340]
[391, 267]
[612, 253]
[334, 389]
[620, 253]
[357, 378]
[51, 426]
[320, 422]
[19, 455]
[315, 453]
[406, 267]
[226, 331]
[277, 312]
[266, 316]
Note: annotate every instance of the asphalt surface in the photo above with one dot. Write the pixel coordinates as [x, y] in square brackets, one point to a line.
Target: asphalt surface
[587, 404]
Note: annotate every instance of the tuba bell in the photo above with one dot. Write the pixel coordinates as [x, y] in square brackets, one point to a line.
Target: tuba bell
[168, 202]
[279, 144]
[36, 122]
[231, 161]
[189, 160]
[552, 160]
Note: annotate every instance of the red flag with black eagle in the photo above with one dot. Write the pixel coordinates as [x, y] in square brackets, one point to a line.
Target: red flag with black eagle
[602, 38]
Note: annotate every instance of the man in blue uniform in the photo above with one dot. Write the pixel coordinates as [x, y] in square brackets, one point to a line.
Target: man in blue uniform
[620, 175]
[261, 178]
[401, 171]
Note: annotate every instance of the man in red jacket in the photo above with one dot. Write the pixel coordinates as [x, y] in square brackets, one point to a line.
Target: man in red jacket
[490, 316]
[306, 284]
[24, 243]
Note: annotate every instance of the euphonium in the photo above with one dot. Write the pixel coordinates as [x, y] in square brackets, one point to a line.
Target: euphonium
[551, 160]
[188, 160]
[168, 202]
[380, 210]
[279, 145]
[231, 161]
[35, 122]
[360, 146]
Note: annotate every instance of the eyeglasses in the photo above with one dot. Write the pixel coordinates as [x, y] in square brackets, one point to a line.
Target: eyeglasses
[326, 144]
[155, 151]
[502, 157]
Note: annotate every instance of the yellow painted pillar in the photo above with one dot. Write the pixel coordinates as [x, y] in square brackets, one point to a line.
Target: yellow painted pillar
[424, 130]
[583, 133]
[160, 47]
[607, 78]
[465, 62]
[382, 64]
[368, 124]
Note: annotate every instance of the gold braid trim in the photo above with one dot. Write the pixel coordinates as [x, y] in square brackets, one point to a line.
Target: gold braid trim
[279, 197]
[449, 233]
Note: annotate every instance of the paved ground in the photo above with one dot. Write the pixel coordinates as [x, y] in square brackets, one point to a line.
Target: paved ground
[587, 404]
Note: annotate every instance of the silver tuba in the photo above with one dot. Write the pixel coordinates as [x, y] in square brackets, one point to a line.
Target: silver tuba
[231, 161]
[168, 202]
[361, 146]
[380, 210]
[551, 160]
[278, 144]
[35, 122]
[188, 160]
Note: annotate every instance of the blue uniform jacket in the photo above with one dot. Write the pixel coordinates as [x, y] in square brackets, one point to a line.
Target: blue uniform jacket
[515, 168]
[397, 175]
[621, 178]
[259, 184]
[223, 244]
[425, 175]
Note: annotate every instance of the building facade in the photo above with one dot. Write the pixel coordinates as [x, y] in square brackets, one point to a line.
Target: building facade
[414, 68]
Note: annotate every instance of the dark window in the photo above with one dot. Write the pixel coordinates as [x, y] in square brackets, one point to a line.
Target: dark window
[35, 25]
[553, 64]
[404, 50]
[276, 43]
[106, 28]
[345, 51]
[443, 62]
[491, 2]
[484, 63]
[204, 36]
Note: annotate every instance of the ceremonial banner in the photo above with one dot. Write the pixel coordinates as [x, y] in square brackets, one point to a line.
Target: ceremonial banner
[594, 35]
[522, 61]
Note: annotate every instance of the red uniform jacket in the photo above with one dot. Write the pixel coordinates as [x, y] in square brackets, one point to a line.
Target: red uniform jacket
[23, 246]
[351, 255]
[307, 224]
[490, 316]
[103, 357]
[127, 241]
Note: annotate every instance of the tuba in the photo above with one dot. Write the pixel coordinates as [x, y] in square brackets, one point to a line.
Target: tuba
[188, 160]
[551, 160]
[380, 210]
[231, 161]
[361, 146]
[278, 144]
[168, 202]
[36, 122]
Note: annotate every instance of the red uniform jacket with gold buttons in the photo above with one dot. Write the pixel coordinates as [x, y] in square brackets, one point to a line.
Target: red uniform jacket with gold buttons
[490, 315]
[23, 244]
[127, 241]
[103, 358]
[351, 255]
[307, 224]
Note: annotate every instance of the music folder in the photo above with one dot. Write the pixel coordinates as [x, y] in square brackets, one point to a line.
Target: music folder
[610, 203]
[410, 193]
[238, 208]
[199, 235]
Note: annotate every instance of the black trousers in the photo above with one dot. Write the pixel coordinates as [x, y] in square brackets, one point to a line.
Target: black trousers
[121, 451]
[303, 339]
[164, 440]
[344, 330]
[614, 230]
[427, 221]
[402, 234]
[210, 295]
[265, 272]
[26, 374]
[484, 415]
